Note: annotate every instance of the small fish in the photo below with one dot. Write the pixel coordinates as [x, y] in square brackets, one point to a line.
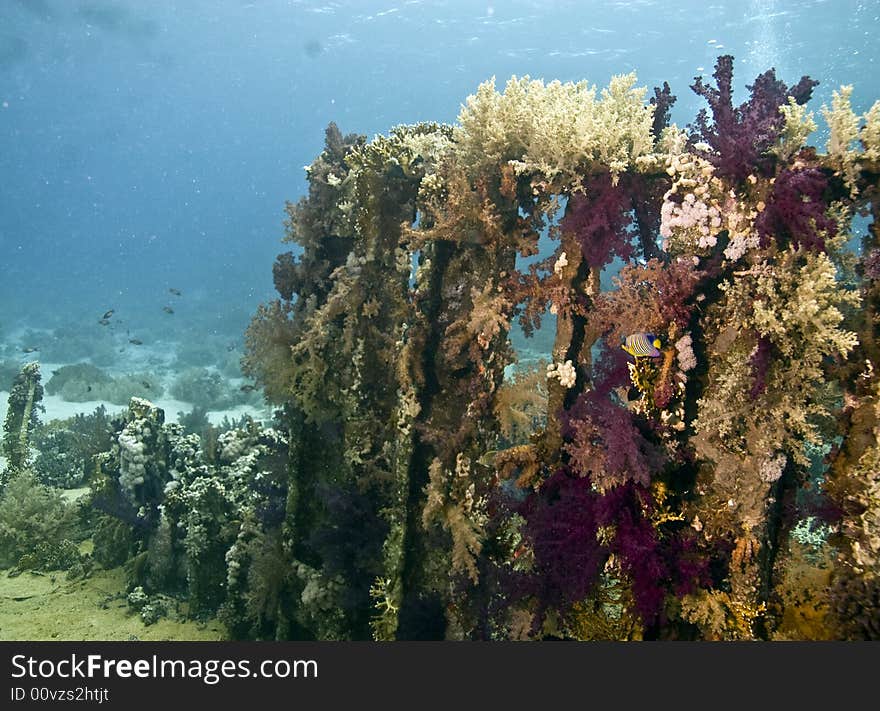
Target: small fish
[168, 309]
[248, 388]
[136, 341]
[104, 321]
[146, 384]
[29, 349]
[174, 291]
[108, 314]
[231, 347]
[640, 345]
[487, 459]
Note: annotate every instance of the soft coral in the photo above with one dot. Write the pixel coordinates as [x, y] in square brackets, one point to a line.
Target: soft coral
[741, 137]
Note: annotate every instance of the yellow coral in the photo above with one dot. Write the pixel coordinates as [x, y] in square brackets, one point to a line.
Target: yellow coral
[557, 130]
[521, 403]
[719, 616]
[870, 134]
[384, 624]
[844, 131]
[797, 303]
[799, 124]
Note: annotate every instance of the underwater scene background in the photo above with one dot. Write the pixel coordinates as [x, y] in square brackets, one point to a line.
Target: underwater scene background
[439, 320]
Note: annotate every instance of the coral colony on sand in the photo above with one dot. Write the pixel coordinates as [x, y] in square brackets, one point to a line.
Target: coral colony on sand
[699, 458]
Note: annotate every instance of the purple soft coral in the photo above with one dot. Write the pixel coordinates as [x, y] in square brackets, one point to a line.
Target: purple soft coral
[600, 221]
[653, 563]
[561, 526]
[662, 101]
[602, 438]
[637, 548]
[741, 137]
[796, 210]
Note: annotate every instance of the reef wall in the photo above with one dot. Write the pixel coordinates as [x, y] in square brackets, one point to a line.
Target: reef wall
[673, 487]
[696, 458]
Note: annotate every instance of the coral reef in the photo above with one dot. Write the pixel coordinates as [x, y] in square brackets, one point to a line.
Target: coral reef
[667, 484]
[418, 482]
[66, 448]
[203, 388]
[84, 382]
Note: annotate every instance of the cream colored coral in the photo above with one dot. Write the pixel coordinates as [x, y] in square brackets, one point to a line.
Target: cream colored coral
[870, 133]
[561, 263]
[800, 310]
[557, 129]
[564, 372]
[798, 126]
[798, 304]
[693, 210]
[844, 131]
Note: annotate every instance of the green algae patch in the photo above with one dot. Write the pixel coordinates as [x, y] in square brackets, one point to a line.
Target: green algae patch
[47, 606]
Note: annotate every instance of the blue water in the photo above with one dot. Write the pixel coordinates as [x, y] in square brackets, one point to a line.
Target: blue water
[151, 145]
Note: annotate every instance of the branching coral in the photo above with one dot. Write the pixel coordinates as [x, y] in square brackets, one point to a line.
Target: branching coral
[648, 494]
[268, 339]
[739, 139]
[521, 404]
[562, 527]
[599, 221]
[655, 297]
[31, 515]
[461, 512]
[556, 130]
[843, 125]
[662, 101]
[798, 126]
[606, 444]
[870, 133]
[797, 305]
[796, 210]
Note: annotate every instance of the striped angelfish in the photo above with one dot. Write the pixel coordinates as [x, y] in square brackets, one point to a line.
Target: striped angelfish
[641, 345]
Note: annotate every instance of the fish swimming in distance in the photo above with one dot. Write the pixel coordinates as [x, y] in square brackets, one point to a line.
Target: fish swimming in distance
[168, 309]
[108, 313]
[136, 341]
[174, 291]
[248, 388]
[29, 349]
[104, 321]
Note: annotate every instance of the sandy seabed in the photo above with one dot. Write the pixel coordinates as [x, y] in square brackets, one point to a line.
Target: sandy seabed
[37, 606]
[48, 606]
